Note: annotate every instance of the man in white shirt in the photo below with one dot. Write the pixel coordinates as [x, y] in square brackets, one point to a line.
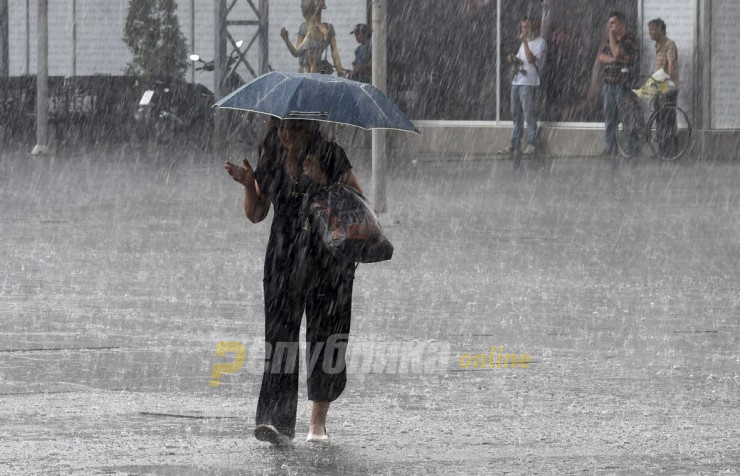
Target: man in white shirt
[528, 63]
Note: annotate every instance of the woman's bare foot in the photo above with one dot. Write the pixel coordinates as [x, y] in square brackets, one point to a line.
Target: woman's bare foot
[317, 425]
[318, 430]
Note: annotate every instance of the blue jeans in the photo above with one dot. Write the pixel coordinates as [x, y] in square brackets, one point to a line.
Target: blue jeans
[612, 94]
[522, 103]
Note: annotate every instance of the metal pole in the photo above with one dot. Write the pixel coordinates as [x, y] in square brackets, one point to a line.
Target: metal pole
[192, 39]
[379, 39]
[498, 61]
[74, 38]
[42, 80]
[27, 64]
[264, 56]
[4, 69]
[219, 56]
[219, 47]
[703, 66]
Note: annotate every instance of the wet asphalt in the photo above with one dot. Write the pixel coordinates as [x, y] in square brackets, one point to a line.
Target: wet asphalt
[123, 268]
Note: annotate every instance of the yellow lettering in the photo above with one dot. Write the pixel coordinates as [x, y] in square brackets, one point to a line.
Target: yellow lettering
[479, 361]
[510, 359]
[492, 357]
[466, 360]
[500, 355]
[524, 360]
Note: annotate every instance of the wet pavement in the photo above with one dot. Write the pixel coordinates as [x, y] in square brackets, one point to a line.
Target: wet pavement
[123, 269]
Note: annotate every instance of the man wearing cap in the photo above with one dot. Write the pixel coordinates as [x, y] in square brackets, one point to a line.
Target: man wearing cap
[363, 63]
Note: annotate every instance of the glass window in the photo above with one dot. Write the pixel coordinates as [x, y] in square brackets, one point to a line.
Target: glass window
[442, 58]
[575, 32]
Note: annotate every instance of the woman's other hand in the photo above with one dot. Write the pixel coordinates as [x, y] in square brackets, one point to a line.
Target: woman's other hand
[312, 170]
[284, 34]
[243, 175]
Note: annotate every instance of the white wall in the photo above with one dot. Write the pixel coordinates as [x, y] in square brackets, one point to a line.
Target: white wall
[100, 48]
[725, 90]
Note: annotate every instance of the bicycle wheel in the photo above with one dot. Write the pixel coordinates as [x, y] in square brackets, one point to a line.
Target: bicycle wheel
[630, 127]
[670, 133]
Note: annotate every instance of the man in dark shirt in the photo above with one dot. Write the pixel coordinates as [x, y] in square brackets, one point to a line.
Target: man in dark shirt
[620, 58]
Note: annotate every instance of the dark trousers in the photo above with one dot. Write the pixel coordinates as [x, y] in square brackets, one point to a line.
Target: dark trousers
[325, 292]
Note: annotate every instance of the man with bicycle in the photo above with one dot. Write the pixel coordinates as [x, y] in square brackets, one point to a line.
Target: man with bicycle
[666, 58]
[620, 57]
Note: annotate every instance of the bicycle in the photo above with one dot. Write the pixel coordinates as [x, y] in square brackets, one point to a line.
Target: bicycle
[668, 130]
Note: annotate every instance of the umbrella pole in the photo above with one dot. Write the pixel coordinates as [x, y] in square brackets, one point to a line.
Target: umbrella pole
[380, 32]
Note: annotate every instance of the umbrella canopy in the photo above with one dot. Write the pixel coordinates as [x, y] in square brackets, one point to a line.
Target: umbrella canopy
[318, 97]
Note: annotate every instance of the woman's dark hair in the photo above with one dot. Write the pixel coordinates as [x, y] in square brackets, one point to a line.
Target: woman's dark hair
[270, 142]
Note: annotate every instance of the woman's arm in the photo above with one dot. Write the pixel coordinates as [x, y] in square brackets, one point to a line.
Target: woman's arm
[256, 204]
[335, 57]
[286, 38]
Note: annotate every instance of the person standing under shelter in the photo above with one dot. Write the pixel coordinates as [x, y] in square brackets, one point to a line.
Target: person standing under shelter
[620, 58]
[362, 66]
[528, 62]
[666, 58]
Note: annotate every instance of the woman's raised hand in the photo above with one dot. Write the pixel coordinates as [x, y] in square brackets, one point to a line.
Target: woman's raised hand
[241, 174]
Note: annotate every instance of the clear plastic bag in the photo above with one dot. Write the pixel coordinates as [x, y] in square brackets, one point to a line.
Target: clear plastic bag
[348, 225]
[658, 83]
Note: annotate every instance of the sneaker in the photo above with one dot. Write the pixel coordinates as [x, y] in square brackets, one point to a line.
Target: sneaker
[529, 150]
[507, 150]
[270, 434]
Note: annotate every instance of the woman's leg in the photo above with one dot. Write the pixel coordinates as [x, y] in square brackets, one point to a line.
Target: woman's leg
[278, 400]
[317, 425]
[328, 316]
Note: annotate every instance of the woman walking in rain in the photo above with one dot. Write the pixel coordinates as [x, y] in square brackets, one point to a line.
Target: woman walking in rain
[314, 37]
[295, 160]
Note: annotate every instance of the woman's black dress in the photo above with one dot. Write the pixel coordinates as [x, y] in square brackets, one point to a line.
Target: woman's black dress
[301, 275]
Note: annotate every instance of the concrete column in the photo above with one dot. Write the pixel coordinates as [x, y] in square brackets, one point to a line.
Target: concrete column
[4, 50]
[42, 81]
[498, 61]
[702, 100]
[379, 39]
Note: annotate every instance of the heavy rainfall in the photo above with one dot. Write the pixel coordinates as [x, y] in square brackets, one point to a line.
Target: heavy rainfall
[562, 295]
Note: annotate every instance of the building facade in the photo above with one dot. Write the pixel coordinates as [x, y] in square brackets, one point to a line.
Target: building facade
[451, 51]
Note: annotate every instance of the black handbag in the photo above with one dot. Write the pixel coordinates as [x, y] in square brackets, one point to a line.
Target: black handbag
[348, 225]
